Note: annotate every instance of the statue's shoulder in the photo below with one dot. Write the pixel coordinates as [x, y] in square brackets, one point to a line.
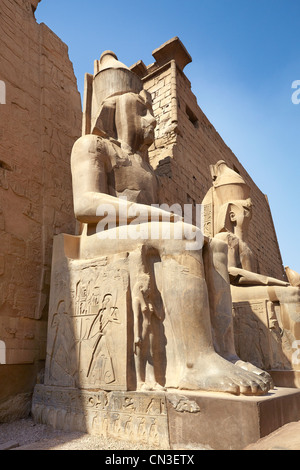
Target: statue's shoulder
[224, 236]
[89, 143]
[228, 237]
[93, 150]
[90, 147]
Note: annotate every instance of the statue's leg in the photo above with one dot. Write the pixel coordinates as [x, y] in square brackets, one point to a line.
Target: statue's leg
[220, 301]
[184, 293]
[216, 272]
[186, 302]
[144, 369]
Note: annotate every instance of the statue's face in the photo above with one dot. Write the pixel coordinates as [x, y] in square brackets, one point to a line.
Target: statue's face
[135, 121]
[147, 121]
[241, 214]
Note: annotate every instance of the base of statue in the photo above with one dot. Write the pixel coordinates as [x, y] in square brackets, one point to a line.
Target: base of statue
[178, 420]
[286, 378]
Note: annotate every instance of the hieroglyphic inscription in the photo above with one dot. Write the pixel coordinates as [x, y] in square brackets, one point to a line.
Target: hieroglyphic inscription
[137, 417]
[208, 220]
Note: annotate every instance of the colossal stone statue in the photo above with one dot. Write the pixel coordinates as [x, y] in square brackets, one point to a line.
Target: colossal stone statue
[227, 219]
[174, 292]
[141, 319]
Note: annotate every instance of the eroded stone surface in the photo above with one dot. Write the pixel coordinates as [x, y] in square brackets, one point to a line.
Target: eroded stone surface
[40, 121]
[164, 334]
[132, 309]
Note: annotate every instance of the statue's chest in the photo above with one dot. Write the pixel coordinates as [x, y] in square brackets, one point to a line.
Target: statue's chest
[135, 180]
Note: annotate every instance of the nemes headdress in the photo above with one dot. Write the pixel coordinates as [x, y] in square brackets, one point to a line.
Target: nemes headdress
[228, 186]
[111, 78]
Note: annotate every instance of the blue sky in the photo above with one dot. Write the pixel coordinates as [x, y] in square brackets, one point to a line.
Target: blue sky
[245, 59]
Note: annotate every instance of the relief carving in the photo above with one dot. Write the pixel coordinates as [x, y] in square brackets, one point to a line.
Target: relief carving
[113, 418]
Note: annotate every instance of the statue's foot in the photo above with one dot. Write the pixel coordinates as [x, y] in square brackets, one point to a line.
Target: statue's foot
[144, 387]
[159, 388]
[215, 374]
[265, 376]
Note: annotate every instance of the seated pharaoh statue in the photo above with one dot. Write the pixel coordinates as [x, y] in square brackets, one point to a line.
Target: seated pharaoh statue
[176, 280]
[228, 216]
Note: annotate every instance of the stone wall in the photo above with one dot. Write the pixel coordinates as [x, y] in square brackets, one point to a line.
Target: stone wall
[187, 144]
[39, 124]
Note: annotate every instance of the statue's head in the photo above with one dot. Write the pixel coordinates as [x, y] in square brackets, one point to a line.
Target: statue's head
[229, 201]
[117, 106]
[127, 118]
[228, 184]
[234, 214]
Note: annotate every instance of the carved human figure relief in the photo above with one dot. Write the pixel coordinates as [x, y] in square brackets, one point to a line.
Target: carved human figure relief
[101, 364]
[63, 343]
[147, 320]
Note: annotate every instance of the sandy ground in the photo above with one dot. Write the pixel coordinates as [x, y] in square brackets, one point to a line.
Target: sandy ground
[24, 434]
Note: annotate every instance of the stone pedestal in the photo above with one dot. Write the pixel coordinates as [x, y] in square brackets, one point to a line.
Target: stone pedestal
[168, 420]
[286, 378]
[228, 422]
[133, 416]
[89, 320]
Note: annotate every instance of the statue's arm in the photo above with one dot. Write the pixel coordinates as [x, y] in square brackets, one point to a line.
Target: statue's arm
[89, 162]
[243, 277]
[136, 323]
[239, 276]
[88, 166]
